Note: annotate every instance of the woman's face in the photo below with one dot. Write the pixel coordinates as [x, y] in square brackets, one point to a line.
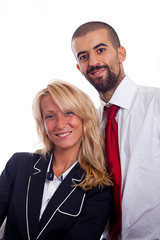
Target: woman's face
[64, 129]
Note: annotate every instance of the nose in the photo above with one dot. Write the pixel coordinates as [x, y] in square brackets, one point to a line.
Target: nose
[93, 59]
[61, 122]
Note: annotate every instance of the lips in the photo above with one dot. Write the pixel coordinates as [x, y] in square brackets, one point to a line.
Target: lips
[64, 134]
[96, 71]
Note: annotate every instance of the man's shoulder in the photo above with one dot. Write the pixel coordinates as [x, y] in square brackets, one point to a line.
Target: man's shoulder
[150, 93]
[149, 89]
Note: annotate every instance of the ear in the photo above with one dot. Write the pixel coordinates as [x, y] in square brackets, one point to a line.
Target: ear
[78, 67]
[121, 54]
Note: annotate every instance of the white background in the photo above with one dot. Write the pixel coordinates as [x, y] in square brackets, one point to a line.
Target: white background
[35, 47]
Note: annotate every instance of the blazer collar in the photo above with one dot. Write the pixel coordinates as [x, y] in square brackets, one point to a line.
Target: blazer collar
[76, 175]
[35, 193]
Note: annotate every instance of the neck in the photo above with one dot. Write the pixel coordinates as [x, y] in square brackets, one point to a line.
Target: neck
[106, 96]
[63, 159]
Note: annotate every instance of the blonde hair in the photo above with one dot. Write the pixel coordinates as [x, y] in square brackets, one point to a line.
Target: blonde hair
[91, 152]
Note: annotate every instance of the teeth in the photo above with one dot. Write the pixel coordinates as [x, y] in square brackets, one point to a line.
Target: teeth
[97, 72]
[63, 134]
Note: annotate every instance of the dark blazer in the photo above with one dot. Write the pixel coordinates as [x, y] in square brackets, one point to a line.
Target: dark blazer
[71, 214]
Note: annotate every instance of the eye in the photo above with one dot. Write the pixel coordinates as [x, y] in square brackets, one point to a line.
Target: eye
[69, 113]
[83, 57]
[100, 50]
[50, 116]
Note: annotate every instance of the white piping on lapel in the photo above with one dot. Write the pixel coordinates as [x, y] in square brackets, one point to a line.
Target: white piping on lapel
[79, 209]
[38, 171]
[57, 209]
[78, 180]
[27, 208]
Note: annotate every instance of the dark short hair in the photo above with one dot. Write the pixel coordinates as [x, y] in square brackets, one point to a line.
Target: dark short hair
[95, 25]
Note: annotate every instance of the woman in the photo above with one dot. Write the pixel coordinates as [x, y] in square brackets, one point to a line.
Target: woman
[61, 192]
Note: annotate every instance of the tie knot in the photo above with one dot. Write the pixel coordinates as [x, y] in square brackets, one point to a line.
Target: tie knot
[111, 111]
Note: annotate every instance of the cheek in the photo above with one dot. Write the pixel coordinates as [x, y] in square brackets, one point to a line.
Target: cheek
[48, 128]
[83, 68]
[78, 125]
[114, 64]
[75, 122]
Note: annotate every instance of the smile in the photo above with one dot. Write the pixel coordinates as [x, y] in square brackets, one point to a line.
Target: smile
[63, 134]
[97, 72]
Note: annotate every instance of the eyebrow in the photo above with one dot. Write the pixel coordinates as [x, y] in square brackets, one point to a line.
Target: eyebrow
[97, 46]
[78, 54]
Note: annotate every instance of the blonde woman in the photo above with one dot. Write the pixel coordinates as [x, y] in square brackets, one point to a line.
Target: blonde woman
[61, 192]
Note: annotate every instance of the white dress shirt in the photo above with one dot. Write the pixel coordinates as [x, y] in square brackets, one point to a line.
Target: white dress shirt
[51, 186]
[139, 145]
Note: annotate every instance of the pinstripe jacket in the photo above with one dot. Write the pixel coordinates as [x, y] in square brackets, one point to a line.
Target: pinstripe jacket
[71, 214]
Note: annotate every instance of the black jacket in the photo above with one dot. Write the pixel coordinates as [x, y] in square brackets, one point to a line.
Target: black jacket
[71, 214]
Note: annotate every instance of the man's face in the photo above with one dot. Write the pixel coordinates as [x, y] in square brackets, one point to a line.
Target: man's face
[98, 60]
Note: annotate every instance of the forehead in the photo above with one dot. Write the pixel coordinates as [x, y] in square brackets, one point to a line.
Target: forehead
[90, 40]
[48, 104]
[47, 101]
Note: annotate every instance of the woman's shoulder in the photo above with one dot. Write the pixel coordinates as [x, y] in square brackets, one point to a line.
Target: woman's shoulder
[23, 162]
[23, 159]
[105, 191]
[25, 156]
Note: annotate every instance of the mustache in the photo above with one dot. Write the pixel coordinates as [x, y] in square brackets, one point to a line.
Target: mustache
[93, 68]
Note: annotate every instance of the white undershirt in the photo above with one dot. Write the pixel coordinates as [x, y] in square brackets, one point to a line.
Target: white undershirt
[51, 186]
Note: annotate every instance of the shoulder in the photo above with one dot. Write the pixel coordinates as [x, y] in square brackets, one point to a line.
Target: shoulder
[150, 96]
[97, 190]
[149, 91]
[105, 192]
[22, 157]
[21, 164]
[143, 91]
[22, 160]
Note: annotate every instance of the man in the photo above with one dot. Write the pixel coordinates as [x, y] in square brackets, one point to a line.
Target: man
[100, 58]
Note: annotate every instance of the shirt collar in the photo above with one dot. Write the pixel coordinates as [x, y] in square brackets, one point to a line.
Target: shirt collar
[50, 174]
[123, 95]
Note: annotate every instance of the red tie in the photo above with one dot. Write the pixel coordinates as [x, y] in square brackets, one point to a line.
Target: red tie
[113, 161]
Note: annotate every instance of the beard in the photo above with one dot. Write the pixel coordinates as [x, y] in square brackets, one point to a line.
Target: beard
[103, 85]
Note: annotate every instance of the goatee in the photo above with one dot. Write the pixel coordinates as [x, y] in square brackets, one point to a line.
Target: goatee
[103, 85]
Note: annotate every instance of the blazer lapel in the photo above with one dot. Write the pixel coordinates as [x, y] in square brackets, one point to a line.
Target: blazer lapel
[62, 193]
[34, 196]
